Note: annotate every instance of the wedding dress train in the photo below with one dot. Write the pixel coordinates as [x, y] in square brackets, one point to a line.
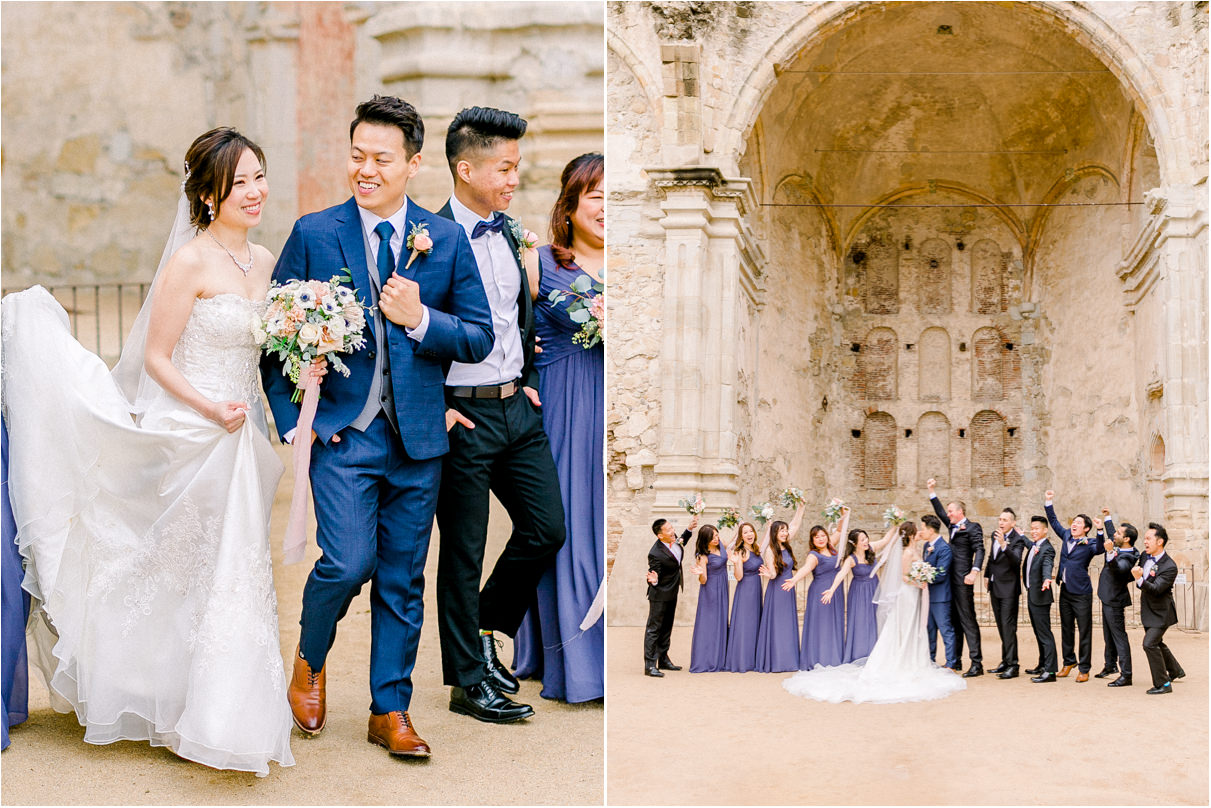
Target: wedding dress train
[147, 544]
[899, 668]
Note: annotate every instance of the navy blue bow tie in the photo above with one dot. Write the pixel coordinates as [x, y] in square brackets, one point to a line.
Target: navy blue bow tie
[496, 225]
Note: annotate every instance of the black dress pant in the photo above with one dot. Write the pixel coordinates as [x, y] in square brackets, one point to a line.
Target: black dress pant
[506, 454]
[1160, 659]
[963, 618]
[1114, 634]
[1076, 615]
[658, 634]
[1005, 610]
[1040, 621]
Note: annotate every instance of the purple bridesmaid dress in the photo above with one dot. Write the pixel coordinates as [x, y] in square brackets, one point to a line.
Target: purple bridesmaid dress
[746, 618]
[709, 645]
[823, 623]
[861, 624]
[14, 676]
[778, 632]
[571, 385]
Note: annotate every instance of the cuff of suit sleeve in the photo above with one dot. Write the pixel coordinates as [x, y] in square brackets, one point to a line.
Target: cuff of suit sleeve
[419, 332]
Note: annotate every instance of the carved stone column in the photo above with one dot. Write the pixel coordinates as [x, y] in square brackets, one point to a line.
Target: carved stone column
[711, 265]
[1169, 260]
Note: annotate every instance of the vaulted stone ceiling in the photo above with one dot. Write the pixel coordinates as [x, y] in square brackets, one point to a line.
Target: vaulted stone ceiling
[994, 98]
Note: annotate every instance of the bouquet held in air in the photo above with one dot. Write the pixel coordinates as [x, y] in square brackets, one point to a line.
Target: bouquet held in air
[730, 518]
[762, 512]
[832, 512]
[693, 506]
[893, 516]
[791, 497]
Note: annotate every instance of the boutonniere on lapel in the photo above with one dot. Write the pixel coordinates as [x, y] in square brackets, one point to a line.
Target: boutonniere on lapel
[524, 239]
[419, 242]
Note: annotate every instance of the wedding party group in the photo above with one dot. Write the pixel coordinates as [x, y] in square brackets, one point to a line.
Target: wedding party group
[417, 362]
[874, 608]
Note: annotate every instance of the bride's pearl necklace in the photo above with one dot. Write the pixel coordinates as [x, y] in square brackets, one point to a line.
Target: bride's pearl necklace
[243, 267]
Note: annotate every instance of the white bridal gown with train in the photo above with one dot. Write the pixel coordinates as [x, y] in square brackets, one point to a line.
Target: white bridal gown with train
[148, 545]
[898, 668]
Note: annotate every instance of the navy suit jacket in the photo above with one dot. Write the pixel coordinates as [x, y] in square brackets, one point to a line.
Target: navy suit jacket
[940, 558]
[460, 326]
[1073, 568]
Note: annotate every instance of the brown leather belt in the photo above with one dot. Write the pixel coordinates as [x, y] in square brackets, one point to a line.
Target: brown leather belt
[486, 391]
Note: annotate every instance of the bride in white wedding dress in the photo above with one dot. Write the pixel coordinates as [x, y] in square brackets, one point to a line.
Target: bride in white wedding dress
[898, 668]
[146, 541]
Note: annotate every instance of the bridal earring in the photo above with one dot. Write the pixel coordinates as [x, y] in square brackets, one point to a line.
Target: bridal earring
[211, 206]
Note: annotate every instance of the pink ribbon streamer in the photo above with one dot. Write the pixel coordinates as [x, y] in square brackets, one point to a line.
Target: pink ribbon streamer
[295, 542]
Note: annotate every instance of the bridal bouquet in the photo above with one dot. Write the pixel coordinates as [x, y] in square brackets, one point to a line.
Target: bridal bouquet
[305, 320]
[693, 506]
[586, 309]
[893, 516]
[921, 572]
[832, 512]
[762, 513]
[730, 518]
[790, 498]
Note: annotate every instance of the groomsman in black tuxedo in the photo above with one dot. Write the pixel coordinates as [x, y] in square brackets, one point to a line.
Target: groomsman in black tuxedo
[1038, 561]
[1155, 576]
[1113, 592]
[1004, 588]
[1077, 549]
[664, 584]
[967, 557]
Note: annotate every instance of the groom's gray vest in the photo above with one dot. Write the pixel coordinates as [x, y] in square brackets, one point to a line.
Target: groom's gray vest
[381, 396]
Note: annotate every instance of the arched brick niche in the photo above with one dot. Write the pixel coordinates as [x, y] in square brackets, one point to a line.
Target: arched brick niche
[933, 449]
[882, 264]
[934, 277]
[988, 267]
[879, 450]
[988, 457]
[989, 365]
[877, 367]
[933, 365]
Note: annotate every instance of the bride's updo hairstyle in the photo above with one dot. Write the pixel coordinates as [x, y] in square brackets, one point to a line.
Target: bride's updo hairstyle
[210, 166]
[706, 534]
[908, 531]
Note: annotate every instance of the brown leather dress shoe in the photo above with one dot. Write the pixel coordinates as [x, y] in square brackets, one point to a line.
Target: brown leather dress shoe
[306, 696]
[1082, 677]
[1064, 671]
[395, 732]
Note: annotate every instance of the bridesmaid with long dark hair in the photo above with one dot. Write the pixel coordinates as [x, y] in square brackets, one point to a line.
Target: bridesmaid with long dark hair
[778, 632]
[859, 561]
[745, 556]
[571, 386]
[709, 644]
[823, 622]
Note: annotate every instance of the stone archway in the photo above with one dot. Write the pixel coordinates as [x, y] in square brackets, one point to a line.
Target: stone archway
[872, 178]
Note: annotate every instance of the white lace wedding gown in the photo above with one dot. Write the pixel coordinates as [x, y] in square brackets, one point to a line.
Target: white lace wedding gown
[898, 668]
[147, 545]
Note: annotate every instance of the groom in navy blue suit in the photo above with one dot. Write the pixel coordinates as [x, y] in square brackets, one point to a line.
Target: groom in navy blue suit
[1077, 549]
[379, 434]
[937, 554]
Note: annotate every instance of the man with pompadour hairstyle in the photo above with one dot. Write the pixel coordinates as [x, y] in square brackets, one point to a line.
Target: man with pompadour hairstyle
[498, 445]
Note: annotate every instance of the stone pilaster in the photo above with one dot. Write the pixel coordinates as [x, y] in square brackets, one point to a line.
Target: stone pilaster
[711, 265]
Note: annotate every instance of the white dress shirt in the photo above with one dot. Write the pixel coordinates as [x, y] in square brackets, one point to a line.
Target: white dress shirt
[1148, 565]
[502, 284]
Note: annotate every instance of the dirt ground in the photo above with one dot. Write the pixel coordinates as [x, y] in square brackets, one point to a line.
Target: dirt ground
[728, 738]
[556, 757]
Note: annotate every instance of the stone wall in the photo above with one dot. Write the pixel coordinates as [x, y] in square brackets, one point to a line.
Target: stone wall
[95, 133]
[1044, 351]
